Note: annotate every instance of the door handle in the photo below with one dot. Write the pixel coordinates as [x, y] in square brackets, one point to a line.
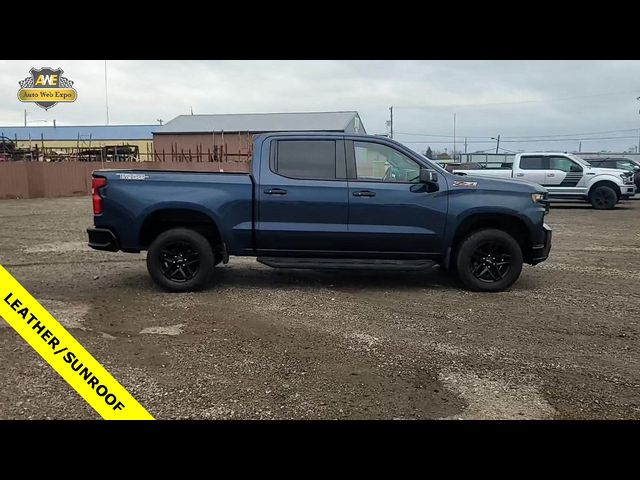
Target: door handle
[551, 174]
[519, 174]
[275, 191]
[364, 193]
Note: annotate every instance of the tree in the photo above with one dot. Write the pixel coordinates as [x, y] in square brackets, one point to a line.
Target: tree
[429, 153]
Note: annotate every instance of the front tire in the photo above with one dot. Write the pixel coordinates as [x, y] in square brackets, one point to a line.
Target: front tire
[180, 260]
[603, 198]
[488, 260]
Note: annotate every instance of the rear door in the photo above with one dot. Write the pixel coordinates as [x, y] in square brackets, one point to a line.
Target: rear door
[390, 211]
[302, 196]
[533, 168]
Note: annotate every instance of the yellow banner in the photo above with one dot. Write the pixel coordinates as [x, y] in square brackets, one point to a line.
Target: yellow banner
[63, 352]
[47, 95]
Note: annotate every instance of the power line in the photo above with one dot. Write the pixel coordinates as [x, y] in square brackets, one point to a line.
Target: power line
[524, 136]
[576, 134]
[544, 100]
[530, 140]
[431, 135]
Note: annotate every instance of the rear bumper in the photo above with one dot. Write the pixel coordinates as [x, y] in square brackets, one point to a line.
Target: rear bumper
[102, 239]
[539, 253]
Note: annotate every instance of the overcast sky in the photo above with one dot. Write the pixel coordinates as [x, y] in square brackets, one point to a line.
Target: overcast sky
[554, 99]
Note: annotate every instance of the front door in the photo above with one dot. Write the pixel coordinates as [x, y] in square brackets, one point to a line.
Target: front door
[302, 197]
[563, 176]
[389, 209]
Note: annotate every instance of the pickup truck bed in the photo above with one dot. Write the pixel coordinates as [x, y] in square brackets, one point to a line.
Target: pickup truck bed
[132, 197]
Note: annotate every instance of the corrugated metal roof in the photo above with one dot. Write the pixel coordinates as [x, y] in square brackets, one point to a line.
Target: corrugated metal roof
[259, 122]
[97, 132]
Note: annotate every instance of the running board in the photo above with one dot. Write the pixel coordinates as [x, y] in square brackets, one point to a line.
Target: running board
[345, 263]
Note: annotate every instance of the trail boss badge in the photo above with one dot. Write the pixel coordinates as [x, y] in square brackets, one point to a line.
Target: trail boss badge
[463, 183]
[45, 87]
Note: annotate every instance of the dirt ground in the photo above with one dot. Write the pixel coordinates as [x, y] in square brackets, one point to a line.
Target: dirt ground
[262, 343]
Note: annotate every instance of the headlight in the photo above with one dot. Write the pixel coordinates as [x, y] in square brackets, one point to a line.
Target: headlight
[626, 177]
[537, 197]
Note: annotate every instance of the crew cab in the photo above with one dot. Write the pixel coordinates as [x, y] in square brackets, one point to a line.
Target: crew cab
[566, 176]
[323, 201]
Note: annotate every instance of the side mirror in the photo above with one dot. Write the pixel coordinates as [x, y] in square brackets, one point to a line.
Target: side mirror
[428, 176]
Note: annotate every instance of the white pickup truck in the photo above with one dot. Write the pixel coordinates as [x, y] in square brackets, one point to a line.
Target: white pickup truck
[565, 176]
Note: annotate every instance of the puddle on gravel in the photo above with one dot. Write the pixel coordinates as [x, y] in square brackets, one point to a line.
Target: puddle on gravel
[495, 398]
[58, 247]
[69, 314]
[170, 330]
[362, 340]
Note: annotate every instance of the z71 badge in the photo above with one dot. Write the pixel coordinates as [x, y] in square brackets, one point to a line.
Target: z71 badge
[463, 183]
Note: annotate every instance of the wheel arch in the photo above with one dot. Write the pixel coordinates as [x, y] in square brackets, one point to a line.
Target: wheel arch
[166, 218]
[512, 224]
[605, 182]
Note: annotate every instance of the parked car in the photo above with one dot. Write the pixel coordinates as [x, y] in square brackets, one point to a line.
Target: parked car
[567, 176]
[323, 201]
[620, 164]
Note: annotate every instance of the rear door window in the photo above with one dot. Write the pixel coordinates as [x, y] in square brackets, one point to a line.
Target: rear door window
[534, 163]
[306, 159]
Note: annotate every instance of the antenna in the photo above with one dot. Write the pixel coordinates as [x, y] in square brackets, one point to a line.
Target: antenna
[106, 94]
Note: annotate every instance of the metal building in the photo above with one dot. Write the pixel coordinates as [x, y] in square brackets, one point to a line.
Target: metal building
[229, 137]
[78, 142]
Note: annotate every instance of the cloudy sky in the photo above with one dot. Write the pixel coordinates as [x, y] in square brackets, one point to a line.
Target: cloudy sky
[541, 105]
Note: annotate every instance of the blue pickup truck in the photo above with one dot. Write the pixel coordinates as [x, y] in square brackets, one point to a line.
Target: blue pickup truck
[323, 201]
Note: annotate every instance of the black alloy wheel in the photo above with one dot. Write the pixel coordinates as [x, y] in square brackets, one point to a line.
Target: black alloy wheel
[603, 198]
[180, 261]
[490, 262]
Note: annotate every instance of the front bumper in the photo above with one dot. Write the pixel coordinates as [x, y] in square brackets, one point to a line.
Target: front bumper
[103, 239]
[628, 191]
[539, 253]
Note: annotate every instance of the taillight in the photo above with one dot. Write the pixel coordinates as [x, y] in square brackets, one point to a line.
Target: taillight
[96, 184]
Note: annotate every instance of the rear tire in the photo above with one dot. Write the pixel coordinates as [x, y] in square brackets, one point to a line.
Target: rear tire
[488, 260]
[603, 198]
[180, 260]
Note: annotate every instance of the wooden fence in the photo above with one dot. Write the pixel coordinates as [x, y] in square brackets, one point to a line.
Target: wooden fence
[66, 179]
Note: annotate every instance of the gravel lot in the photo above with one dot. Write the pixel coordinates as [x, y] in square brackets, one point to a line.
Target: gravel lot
[263, 343]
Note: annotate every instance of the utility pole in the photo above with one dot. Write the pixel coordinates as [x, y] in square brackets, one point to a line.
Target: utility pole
[391, 121]
[638, 130]
[579, 147]
[497, 143]
[454, 137]
[106, 93]
[25, 117]
[465, 144]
